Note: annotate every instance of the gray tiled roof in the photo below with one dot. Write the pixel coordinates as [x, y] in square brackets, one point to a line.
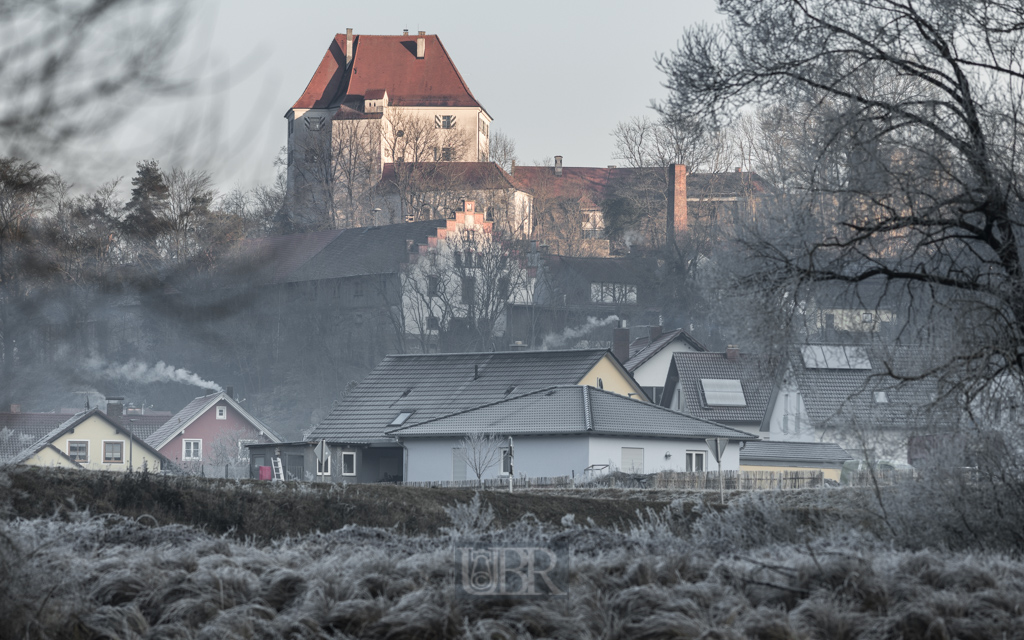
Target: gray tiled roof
[175, 422]
[836, 396]
[752, 372]
[18, 431]
[795, 452]
[331, 254]
[571, 409]
[435, 385]
[642, 349]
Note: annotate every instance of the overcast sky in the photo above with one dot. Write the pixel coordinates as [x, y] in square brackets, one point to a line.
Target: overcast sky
[555, 76]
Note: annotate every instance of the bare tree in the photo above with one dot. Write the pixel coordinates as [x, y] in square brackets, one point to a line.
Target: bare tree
[72, 69]
[912, 128]
[502, 150]
[480, 452]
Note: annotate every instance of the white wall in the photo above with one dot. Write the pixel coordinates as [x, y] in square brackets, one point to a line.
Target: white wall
[608, 450]
[430, 459]
[653, 372]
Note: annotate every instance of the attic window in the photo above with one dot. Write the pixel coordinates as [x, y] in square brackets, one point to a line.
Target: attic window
[881, 397]
[401, 418]
[222, 412]
[835, 357]
[444, 122]
[723, 393]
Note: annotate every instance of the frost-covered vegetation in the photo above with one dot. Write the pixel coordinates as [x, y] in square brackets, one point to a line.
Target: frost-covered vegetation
[824, 563]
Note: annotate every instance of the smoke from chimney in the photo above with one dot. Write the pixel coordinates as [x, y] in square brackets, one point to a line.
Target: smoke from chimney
[554, 341]
[135, 371]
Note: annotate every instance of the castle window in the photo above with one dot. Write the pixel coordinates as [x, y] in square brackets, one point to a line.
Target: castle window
[444, 122]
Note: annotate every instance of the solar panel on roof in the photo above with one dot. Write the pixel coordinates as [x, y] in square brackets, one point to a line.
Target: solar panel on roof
[723, 393]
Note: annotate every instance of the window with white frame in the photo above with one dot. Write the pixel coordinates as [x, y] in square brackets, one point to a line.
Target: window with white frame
[444, 122]
[222, 412]
[78, 450]
[113, 451]
[696, 460]
[348, 463]
[632, 460]
[323, 467]
[191, 449]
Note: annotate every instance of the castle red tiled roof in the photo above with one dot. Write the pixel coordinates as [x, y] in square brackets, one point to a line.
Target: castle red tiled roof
[387, 63]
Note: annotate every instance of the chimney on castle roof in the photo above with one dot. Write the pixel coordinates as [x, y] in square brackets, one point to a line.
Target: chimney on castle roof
[405, 32]
[348, 46]
[558, 166]
[421, 45]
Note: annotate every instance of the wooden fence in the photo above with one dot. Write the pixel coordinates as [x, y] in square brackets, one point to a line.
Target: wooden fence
[691, 481]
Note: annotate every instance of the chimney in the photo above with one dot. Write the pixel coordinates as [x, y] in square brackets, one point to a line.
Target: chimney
[677, 219]
[115, 409]
[620, 343]
[421, 45]
[732, 352]
[405, 32]
[558, 166]
[655, 332]
[739, 169]
[231, 392]
[348, 47]
[15, 408]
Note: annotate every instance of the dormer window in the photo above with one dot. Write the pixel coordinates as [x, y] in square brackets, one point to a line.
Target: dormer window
[401, 418]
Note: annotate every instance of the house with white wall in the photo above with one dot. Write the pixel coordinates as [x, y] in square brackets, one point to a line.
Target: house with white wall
[650, 357]
[407, 389]
[869, 399]
[568, 430]
[387, 98]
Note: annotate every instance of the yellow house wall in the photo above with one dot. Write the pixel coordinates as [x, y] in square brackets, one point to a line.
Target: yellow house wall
[830, 474]
[95, 430]
[612, 378]
[47, 457]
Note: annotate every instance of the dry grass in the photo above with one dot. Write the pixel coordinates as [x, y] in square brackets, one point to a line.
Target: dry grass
[771, 566]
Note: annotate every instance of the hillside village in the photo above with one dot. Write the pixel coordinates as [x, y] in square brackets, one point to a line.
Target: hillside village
[457, 284]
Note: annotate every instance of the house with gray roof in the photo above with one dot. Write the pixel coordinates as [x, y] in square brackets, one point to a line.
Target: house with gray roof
[730, 388]
[765, 455]
[409, 389]
[567, 430]
[870, 399]
[91, 440]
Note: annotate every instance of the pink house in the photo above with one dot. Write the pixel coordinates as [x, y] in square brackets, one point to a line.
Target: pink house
[210, 430]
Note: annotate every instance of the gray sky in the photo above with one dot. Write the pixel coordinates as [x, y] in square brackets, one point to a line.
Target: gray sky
[556, 76]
